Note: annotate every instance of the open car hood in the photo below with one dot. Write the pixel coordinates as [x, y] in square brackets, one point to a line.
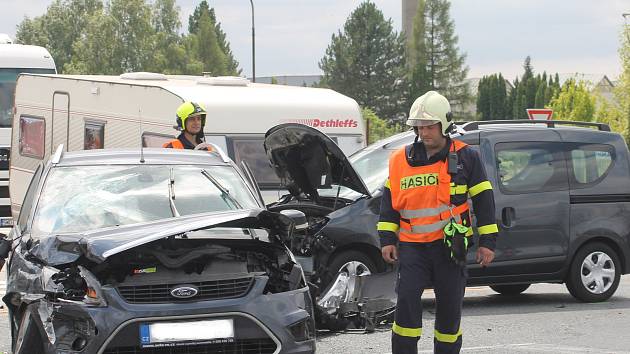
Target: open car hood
[306, 160]
[98, 245]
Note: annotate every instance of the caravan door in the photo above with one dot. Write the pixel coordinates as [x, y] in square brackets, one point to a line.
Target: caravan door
[60, 120]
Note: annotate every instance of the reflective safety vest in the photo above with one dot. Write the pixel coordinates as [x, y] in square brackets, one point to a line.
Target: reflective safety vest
[422, 196]
[174, 144]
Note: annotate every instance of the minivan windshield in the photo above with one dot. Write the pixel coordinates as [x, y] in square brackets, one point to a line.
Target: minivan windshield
[372, 166]
[8, 76]
[76, 199]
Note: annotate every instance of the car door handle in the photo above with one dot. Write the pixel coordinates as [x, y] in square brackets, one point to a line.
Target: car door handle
[507, 217]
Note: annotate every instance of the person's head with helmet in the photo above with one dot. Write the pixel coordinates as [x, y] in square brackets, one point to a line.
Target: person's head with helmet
[191, 119]
[430, 116]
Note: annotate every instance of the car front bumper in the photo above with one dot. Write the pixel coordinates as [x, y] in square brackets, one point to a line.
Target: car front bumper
[262, 323]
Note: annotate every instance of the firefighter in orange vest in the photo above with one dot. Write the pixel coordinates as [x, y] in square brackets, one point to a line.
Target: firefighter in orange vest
[425, 224]
[191, 119]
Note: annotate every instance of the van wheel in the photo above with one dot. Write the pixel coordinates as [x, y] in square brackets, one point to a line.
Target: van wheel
[595, 273]
[353, 263]
[510, 290]
[28, 339]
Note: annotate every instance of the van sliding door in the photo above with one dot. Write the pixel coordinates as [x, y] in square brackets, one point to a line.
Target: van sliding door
[60, 121]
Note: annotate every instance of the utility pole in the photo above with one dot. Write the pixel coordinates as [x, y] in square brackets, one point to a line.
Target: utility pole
[253, 45]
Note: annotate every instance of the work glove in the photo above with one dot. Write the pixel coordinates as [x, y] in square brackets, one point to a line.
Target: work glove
[456, 241]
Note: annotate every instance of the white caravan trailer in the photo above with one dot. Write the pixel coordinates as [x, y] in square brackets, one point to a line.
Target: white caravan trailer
[14, 59]
[86, 112]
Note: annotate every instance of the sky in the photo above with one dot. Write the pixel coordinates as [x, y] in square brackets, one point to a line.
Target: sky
[565, 36]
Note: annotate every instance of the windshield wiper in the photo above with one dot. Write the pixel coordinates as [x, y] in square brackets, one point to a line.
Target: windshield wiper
[171, 194]
[225, 194]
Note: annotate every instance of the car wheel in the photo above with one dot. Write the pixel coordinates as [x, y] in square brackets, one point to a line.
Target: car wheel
[594, 274]
[510, 290]
[352, 263]
[28, 340]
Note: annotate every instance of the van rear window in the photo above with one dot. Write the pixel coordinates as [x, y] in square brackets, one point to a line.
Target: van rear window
[32, 135]
[590, 163]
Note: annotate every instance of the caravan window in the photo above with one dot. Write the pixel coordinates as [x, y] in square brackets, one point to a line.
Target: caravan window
[32, 134]
[94, 137]
[155, 140]
[251, 150]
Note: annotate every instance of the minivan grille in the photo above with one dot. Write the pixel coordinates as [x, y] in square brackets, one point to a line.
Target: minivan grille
[208, 290]
[239, 346]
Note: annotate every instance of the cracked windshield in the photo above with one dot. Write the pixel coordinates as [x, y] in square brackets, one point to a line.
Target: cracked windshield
[78, 199]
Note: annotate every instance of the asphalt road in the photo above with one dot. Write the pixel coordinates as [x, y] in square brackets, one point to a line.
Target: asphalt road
[544, 319]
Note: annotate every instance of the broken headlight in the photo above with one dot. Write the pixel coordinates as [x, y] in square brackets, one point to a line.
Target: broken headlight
[78, 284]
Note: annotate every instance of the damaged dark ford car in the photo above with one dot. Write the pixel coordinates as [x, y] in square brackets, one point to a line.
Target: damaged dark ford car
[165, 252]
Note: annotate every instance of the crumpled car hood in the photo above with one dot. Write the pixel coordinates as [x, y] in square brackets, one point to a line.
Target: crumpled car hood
[98, 245]
[309, 160]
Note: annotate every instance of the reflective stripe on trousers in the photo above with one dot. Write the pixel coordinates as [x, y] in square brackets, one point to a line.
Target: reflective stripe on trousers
[424, 265]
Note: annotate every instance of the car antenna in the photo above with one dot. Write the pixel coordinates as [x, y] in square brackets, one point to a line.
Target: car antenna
[141, 140]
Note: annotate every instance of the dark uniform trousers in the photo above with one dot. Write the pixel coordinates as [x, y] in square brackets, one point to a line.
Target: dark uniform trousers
[425, 265]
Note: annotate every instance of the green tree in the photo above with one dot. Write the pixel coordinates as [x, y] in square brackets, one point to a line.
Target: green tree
[531, 91]
[207, 47]
[417, 58]
[86, 37]
[169, 54]
[445, 66]
[573, 102]
[193, 28]
[366, 62]
[95, 53]
[492, 98]
[120, 39]
[611, 115]
[59, 28]
[377, 127]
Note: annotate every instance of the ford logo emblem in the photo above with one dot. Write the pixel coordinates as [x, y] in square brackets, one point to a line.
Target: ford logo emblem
[184, 291]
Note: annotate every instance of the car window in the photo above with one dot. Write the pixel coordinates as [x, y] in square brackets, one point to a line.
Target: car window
[530, 167]
[252, 151]
[373, 168]
[76, 199]
[27, 204]
[589, 164]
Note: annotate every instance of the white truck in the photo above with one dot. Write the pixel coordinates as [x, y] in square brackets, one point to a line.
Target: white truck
[88, 112]
[14, 60]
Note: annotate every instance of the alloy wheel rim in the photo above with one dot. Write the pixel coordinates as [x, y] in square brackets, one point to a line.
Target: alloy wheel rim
[353, 269]
[597, 272]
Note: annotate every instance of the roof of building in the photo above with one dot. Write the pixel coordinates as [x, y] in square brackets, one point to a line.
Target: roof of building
[590, 80]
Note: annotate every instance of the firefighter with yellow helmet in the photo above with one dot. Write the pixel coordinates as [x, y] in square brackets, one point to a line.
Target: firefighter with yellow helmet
[191, 119]
[425, 224]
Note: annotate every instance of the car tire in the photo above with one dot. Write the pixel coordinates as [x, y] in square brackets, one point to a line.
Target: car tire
[352, 261]
[28, 339]
[595, 273]
[510, 290]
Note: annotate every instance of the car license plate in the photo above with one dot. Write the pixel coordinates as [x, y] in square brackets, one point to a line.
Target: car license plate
[194, 332]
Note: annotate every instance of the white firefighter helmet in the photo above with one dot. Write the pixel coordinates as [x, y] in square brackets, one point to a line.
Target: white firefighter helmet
[431, 108]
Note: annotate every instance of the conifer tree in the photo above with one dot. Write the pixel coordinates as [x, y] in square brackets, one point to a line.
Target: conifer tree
[366, 62]
[446, 66]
